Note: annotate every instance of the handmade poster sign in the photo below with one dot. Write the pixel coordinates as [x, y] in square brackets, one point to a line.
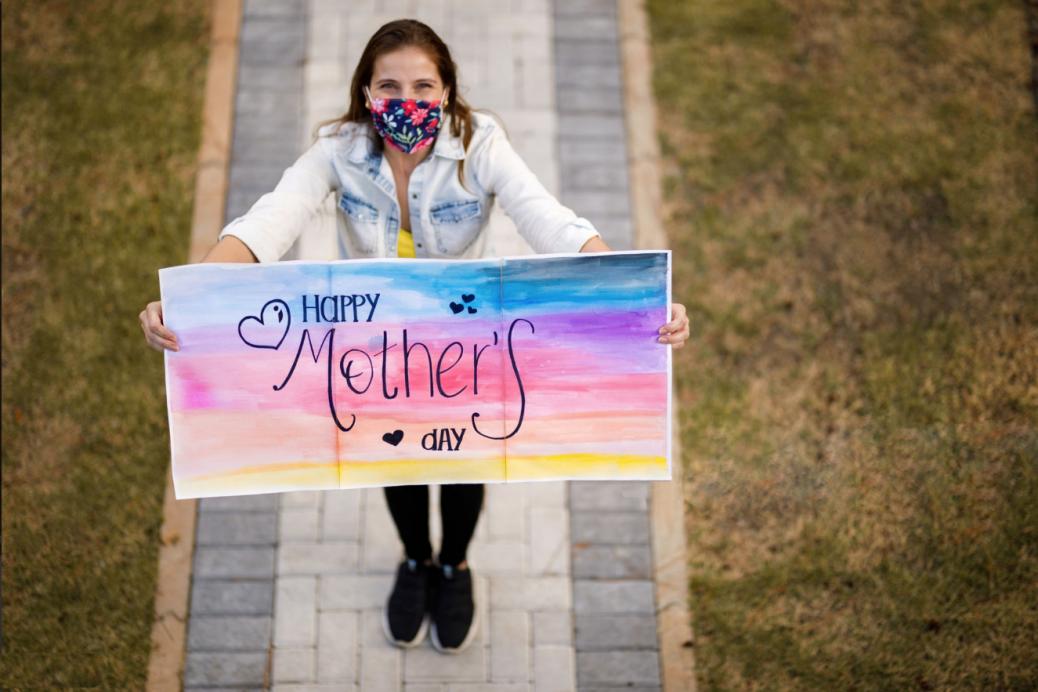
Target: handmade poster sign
[318, 375]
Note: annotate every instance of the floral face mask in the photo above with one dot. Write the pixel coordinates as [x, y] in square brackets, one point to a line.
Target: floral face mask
[407, 124]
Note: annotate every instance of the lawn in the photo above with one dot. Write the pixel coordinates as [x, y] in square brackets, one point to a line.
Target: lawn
[851, 193]
[101, 125]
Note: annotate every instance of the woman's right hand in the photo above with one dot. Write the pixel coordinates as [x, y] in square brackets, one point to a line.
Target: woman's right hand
[227, 249]
[155, 332]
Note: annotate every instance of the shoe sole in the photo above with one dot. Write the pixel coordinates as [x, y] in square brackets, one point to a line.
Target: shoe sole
[473, 631]
[418, 638]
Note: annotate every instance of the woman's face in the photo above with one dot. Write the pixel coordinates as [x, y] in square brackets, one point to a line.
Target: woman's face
[406, 73]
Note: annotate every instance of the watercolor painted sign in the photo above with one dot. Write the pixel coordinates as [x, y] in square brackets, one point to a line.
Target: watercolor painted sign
[318, 375]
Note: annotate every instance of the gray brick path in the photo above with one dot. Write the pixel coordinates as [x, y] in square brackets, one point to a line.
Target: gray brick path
[288, 588]
[233, 576]
[613, 599]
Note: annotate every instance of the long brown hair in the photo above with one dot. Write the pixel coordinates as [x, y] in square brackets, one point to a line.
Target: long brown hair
[391, 36]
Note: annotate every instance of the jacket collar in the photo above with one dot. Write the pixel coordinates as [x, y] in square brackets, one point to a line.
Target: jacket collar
[446, 145]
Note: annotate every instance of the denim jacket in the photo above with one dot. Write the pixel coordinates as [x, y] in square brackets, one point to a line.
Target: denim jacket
[446, 219]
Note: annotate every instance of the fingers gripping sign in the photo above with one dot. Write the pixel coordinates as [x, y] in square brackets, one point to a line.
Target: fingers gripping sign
[675, 332]
[155, 332]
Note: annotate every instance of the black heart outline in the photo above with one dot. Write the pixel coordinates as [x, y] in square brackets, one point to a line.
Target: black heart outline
[393, 438]
[259, 319]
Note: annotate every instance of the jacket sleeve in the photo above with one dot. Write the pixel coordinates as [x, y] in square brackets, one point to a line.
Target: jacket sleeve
[540, 218]
[277, 218]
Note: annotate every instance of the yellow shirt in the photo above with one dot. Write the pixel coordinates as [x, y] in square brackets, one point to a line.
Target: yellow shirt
[405, 244]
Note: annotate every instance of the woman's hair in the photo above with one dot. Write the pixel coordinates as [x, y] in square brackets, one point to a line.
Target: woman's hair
[394, 35]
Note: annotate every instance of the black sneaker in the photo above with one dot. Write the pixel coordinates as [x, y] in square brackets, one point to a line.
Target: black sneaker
[454, 615]
[404, 617]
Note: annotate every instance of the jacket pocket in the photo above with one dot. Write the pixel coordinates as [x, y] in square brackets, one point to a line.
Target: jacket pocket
[456, 224]
[363, 220]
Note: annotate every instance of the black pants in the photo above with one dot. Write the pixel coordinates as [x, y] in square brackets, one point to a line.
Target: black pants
[460, 505]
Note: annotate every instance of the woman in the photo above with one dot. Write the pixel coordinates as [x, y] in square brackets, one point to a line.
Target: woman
[421, 187]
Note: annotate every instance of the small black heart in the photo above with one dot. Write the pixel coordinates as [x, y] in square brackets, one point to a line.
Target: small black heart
[394, 437]
[456, 307]
[468, 297]
[472, 310]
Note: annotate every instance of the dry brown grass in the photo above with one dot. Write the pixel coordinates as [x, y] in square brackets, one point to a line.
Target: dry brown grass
[852, 204]
[101, 117]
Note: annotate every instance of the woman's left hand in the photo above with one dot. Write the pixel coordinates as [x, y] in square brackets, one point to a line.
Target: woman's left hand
[676, 331]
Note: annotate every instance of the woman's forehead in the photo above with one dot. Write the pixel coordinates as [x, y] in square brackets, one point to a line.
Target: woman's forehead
[405, 65]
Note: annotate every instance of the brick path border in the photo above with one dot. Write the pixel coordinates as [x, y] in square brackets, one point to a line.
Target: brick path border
[631, 620]
[231, 616]
[176, 547]
[673, 617]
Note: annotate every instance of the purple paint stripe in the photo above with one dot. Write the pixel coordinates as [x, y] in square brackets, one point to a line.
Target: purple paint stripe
[617, 328]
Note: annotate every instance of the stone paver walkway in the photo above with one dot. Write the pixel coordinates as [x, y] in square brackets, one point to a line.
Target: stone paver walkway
[287, 589]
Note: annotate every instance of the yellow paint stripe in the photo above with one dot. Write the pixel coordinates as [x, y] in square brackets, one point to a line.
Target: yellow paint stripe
[286, 476]
[257, 479]
[586, 465]
[419, 471]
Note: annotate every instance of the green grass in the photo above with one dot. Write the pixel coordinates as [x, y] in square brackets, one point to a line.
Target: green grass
[101, 124]
[851, 200]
